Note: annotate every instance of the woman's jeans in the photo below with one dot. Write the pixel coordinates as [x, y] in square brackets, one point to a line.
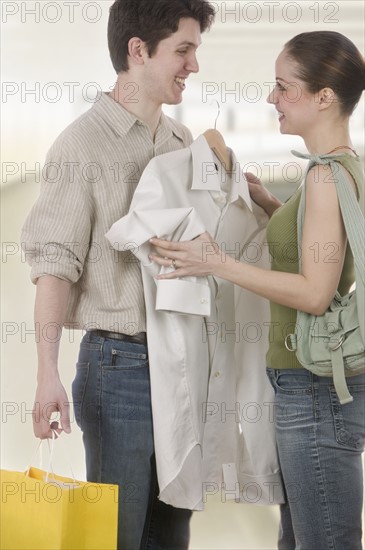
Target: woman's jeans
[319, 444]
[112, 403]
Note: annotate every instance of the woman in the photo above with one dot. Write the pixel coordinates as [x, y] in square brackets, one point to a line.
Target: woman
[319, 80]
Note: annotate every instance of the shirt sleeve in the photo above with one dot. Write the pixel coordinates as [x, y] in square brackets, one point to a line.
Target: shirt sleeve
[56, 234]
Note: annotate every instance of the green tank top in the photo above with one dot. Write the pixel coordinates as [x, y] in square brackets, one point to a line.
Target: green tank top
[283, 245]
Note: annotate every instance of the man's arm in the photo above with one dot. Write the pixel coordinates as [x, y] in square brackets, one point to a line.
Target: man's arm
[50, 312]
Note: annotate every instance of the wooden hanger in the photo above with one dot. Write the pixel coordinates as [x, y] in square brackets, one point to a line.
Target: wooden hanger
[217, 144]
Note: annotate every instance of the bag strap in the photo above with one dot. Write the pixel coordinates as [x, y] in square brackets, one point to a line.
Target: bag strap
[353, 219]
[51, 446]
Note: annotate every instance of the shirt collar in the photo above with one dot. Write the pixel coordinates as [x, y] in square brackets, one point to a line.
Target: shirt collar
[239, 185]
[166, 128]
[206, 176]
[121, 120]
[118, 118]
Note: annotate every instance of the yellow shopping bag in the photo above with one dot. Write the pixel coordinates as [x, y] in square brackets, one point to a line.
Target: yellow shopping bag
[42, 511]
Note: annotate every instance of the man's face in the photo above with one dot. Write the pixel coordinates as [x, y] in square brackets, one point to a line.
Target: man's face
[173, 61]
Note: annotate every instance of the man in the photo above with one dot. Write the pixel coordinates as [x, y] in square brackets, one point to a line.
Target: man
[92, 171]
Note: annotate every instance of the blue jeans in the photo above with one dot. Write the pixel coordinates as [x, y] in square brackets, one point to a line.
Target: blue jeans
[112, 403]
[320, 444]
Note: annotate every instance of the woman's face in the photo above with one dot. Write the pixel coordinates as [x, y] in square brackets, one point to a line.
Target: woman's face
[296, 106]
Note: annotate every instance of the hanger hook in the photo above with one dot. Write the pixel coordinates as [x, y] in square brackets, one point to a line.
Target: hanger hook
[219, 112]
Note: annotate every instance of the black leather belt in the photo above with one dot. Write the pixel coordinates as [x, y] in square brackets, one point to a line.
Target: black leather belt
[139, 338]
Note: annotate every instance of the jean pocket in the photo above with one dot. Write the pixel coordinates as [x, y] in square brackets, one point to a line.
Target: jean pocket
[78, 390]
[292, 383]
[349, 419]
[127, 360]
[126, 391]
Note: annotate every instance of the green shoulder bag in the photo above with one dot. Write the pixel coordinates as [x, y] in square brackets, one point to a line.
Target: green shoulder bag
[332, 344]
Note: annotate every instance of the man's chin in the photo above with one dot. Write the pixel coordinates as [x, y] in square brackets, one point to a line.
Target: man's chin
[175, 101]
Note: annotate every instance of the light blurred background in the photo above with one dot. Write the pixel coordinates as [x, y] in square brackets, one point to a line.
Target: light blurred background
[54, 60]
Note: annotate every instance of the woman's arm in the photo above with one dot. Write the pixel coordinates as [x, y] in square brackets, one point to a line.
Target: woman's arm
[323, 251]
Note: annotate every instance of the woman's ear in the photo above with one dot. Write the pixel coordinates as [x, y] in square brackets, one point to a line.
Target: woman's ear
[326, 97]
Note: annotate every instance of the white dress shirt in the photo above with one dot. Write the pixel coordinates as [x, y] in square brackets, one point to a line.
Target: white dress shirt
[198, 360]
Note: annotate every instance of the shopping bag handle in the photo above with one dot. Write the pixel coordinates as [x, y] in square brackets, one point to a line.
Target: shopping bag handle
[51, 446]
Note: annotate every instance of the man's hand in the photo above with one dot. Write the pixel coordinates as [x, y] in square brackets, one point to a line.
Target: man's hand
[50, 398]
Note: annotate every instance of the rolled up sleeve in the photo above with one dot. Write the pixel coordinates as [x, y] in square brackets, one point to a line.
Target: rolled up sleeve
[56, 235]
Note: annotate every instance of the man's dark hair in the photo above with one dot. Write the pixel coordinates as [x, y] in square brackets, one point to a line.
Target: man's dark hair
[152, 21]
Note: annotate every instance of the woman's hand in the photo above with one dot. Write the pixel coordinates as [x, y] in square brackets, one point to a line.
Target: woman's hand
[198, 257]
[258, 192]
[260, 195]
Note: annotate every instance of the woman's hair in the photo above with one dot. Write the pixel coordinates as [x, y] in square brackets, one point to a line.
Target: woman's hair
[327, 59]
[152, 21]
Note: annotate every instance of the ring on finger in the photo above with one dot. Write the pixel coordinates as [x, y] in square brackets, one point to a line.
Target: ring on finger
[173, 264]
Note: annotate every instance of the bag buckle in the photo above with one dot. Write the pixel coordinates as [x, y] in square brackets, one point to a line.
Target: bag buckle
[288, 342]
[338, 345]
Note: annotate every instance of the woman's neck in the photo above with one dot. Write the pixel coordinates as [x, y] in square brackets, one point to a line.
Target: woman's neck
[330, 135]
